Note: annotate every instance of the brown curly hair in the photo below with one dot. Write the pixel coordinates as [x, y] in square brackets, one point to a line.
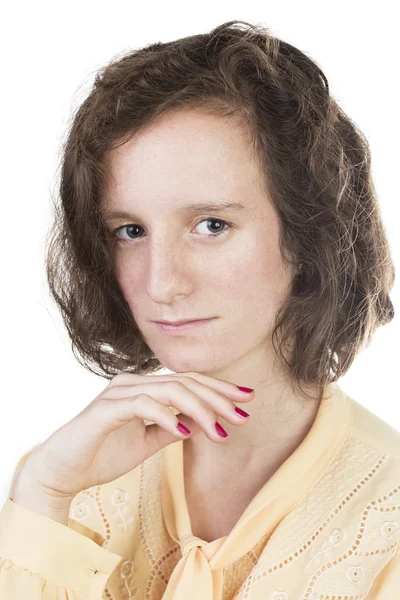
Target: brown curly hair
[315, 164]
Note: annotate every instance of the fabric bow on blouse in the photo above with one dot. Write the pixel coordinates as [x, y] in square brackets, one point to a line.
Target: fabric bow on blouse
[199, 573]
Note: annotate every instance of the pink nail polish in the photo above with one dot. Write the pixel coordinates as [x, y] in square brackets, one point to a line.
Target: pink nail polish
[221, 431]
[245, 389]
[241, 412]
[183, 429]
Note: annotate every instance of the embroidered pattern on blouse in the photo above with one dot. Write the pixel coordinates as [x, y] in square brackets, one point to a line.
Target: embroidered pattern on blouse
[338, 562]
[79, 512]
[339, 536]
[82, 510]
[119, 499]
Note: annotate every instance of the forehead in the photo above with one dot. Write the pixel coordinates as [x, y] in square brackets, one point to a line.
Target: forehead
[185, 157]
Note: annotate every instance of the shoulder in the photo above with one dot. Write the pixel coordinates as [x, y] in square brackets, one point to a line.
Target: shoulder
[374, 431]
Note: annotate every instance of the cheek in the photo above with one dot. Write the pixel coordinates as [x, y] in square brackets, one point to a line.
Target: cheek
[254, 266]
[254, 287]
[126, 278]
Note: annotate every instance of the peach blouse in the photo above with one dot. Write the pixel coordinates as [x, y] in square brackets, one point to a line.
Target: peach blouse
[326, 525]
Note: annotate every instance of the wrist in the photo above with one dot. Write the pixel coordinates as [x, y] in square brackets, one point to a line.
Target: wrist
[29, 495]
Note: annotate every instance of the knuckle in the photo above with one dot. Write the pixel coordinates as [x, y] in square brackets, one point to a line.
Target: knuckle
[117, 377]
[184, 380]
[124, 377]
[176, 386]
[141, 397]
[104, 406]
[107, 395]
[190, 374]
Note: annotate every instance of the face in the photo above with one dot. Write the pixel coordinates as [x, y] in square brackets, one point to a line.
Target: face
[177, 263]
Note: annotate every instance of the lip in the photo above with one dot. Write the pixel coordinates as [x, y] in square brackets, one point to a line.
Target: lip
[181, 322]
[185, 326]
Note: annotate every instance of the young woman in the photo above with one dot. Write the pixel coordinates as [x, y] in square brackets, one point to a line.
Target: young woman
[213, 180]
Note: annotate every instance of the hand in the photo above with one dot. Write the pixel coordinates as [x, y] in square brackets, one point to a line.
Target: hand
[109, 438]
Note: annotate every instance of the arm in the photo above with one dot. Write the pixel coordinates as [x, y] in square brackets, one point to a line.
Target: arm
[41, 558]
[26, 494]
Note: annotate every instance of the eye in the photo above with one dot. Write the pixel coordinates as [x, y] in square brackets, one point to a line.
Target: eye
[222, 227]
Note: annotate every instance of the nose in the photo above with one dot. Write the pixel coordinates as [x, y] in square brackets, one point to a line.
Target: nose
[167, 272]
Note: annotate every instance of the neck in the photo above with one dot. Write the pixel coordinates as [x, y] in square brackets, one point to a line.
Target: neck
[279, 421]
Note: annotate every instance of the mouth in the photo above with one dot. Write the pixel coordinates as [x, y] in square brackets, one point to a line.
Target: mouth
[183, 321]
[182, 325]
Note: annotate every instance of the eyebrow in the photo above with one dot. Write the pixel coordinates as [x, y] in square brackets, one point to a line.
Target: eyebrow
[195, 207]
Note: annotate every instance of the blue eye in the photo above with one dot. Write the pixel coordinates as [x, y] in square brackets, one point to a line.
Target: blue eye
[223, 226]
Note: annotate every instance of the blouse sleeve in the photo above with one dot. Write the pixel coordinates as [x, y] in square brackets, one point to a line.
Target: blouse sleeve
[42, 559]
[387, 585]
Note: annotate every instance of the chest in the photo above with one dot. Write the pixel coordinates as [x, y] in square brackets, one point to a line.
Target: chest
[216, 502]
[214, 515]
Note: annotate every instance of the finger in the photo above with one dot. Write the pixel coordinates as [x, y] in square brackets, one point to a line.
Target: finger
[157, 437]
[175, 394]
[219, 385]
[221, 405]
[110, 415]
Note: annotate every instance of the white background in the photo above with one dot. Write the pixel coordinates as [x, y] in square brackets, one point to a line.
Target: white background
[50, 53]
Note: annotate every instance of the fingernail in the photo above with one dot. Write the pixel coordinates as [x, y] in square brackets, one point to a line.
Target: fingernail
[221, 431]
[245, 389]
[241, 412]
[183, 429]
